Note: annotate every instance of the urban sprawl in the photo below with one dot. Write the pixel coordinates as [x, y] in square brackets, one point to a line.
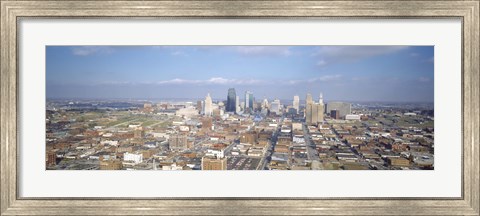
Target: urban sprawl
[239, 133]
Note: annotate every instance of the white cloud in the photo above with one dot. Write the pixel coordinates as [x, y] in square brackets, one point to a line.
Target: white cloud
[177, 81]
[213, 80]
[90, 50]
[226, 81]
[326, 78]
[353, 53]
[218, 80]
[321, 63]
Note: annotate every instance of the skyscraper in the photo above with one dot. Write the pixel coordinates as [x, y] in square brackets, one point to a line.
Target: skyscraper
[249, 101]
[237, 104]
[231, 100]
[275, 106]
[308, 107]
[308, 99]
[314, 111]
[265, 104]
[320, 109]
[208, 109]
[296, 103]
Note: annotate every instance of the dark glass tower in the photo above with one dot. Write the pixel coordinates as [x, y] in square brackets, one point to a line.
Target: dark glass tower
[231, 98]
[249, 100]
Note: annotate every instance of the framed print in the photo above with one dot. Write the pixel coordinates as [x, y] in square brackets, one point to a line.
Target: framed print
[245, 107]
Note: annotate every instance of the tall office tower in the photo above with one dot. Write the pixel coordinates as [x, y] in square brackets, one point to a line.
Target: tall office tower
[321, 109]
[207, 106]
[231, 100]
[253, 101]
[296, 103]
[237, 104]
[314, 114]
[308, 108]
[308, 113]
[342, 107]
[275, 106]
[249, 101]
[265, 104]
[245, 107]
[308, 99]
[314, 111]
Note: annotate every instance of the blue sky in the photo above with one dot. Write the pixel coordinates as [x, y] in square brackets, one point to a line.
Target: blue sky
[345, 73]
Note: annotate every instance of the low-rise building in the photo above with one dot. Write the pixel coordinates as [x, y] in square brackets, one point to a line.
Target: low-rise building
[136, 158]
[212, 163]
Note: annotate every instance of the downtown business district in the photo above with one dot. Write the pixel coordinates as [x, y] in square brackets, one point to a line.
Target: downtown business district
[236, 134]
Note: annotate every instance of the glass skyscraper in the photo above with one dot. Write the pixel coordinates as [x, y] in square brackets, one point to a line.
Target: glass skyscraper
[249, 100]
[231, 100]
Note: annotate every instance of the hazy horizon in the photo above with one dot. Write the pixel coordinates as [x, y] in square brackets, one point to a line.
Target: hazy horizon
[341, 73]
[302, 100]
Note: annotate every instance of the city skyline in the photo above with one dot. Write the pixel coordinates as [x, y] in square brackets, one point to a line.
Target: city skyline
[342, 73]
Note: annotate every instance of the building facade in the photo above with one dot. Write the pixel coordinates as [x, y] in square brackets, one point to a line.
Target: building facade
[342, 108]
[335, 114]
[314, 112]
[208, 106]
[275, 106]
[136, 158]
[111, 165]
[231, 101]
[308, 99]
[212, 163]
[249, 100]
[178, 142]
[296, 103]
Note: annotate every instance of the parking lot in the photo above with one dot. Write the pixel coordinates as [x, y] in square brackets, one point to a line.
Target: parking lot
[242, 163]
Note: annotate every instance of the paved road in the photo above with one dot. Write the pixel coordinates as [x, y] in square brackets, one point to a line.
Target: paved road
[273, 142]
[312, 153]
[229, 148]
[263, 161]
[125, 122]
[160, 122]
